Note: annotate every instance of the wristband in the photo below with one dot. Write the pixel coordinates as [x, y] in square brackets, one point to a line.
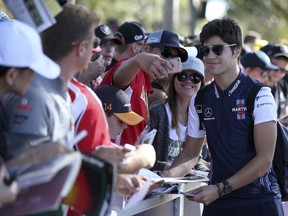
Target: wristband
[227, 187]
[219, 189]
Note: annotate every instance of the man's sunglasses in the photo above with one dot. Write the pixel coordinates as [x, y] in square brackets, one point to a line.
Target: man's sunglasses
[193, 78]
[166, 52]
[265, 74]
[216, 49]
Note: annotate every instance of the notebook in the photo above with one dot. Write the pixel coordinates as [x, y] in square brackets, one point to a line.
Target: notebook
[146, 136]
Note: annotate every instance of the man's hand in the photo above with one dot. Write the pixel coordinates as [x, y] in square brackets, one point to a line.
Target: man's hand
[205, 194]
[128, 184]
[155, 66]
[94, 70]
[8, 193]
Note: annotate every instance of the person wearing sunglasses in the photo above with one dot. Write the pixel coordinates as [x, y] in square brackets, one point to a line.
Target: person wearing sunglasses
[257, 65]
[242, 180]
[169, 116]
[134, 75]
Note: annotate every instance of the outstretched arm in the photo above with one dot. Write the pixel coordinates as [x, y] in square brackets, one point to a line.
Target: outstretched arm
[153, 65]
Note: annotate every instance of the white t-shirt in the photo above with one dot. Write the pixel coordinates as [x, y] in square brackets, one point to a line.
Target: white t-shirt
[175, 142]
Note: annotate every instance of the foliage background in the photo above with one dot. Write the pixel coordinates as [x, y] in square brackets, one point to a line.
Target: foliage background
[268, 17]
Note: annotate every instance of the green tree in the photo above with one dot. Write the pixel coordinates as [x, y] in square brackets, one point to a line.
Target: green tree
[149, 12]
[268, 17]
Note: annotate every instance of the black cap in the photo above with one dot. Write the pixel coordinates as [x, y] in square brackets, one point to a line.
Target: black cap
[130, 32]
[103, 32]
[257, 59]
[115, 101]
[167, 38]
[275, 50]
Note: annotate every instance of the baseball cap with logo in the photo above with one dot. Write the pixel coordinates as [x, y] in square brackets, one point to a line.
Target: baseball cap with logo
[275, 50]
[103, 32]
[257, 59]
[130, 32]
[115, 101]
[20, 47]
[195, 64]
[167, 38]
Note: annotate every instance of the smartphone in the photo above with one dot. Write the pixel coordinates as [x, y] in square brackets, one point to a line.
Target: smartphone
[95, 56]
[188, 194]
[177, 65]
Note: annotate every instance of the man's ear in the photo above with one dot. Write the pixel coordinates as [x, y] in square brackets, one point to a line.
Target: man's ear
[80, 48]
[146, 48]
[134, 47]
[237, 52]
[11, 75]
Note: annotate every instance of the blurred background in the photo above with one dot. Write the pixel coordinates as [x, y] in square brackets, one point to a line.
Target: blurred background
[186, 17]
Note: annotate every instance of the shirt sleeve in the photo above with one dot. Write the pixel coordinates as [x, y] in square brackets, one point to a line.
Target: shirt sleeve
[193, 121]
[26, 115]
[265, 108]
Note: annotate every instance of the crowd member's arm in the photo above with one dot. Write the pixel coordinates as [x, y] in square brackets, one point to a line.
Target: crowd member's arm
[186, 159]
[128, 161]
[143, 157]
[13, 144]
[94, 70]
[153, 65]
[40, 153]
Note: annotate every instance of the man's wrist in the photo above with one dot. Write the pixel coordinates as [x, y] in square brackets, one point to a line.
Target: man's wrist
[227, 187]
[219, 189]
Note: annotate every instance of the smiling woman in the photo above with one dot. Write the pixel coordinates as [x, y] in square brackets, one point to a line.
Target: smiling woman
[169, 117]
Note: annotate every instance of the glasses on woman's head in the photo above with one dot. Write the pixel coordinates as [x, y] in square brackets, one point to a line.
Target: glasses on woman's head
[216, 49]
[192, 77]
[166, 52]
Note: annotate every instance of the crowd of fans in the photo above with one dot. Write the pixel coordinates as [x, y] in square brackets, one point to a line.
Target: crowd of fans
[78, 75]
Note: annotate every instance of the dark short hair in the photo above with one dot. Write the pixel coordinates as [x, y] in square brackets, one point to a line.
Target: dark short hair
[226, 28]
[73, 24]
[4, 69]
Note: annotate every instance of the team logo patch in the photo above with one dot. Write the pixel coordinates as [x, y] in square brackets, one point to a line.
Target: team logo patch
[208, 114]
[240, 109]
[138, 37]
[24, 105]
[105, 30]
[19, 119]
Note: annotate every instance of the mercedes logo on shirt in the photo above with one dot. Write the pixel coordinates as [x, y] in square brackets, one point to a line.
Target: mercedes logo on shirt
[208, 112]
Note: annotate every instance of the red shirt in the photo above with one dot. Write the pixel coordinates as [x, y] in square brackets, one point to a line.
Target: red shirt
[137, 91]
[89, 115]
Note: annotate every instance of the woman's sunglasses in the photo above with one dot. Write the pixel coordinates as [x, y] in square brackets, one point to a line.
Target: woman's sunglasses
[216, 49]
[193, 78]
